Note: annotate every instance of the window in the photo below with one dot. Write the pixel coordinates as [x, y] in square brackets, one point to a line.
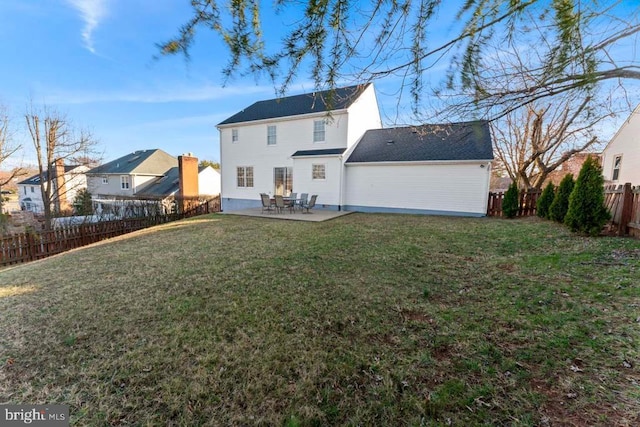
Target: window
[318, 131]
[105, 179]
[234, 135]
[245, 176]
[271, 135]
[125, 183]
[617, 160]
[25, 191]
[32, 190]
[318, 171]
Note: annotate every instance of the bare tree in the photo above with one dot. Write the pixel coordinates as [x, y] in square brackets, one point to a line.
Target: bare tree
[55, 141]
[535, 140]
[7, 149]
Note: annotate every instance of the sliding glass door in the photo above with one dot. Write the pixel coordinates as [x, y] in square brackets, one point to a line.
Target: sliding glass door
[283, 181]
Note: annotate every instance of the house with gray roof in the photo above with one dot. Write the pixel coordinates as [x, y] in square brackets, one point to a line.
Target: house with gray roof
[65, 180]
[337, 148]
[147, 176]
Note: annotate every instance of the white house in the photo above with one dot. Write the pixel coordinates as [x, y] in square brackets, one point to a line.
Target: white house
[257, 145]
[66, 180]
[621, 157]
[336, 148]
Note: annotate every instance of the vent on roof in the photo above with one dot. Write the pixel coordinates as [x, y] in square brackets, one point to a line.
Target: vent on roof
[389, 142]
[134, 158]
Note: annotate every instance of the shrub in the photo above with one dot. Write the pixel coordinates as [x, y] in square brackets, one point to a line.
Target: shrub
[587, 213]
[545, 200]
[511, 202]
[560, 204]
[82, 204]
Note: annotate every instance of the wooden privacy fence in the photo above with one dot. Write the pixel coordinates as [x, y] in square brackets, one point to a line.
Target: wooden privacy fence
[623, 203]
[26, 247]
[527, 198]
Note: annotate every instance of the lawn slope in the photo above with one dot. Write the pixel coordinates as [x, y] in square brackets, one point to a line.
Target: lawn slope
[363, 320]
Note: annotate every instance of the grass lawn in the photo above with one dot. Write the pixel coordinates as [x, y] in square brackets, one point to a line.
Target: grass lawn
[362, 320]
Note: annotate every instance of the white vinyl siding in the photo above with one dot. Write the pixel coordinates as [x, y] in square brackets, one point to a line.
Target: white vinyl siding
[271, 135]
[318, 131]
[446, 188]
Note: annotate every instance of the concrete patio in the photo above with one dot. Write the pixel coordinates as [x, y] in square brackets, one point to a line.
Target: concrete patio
[313, 216]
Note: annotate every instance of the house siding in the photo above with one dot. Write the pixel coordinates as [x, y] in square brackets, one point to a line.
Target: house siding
[364, 114]
[252, 150]
[625, 143]
[328, 190]
[447, 189]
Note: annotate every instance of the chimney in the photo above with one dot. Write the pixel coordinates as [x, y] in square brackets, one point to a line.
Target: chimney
[188, 179]
[60, 191]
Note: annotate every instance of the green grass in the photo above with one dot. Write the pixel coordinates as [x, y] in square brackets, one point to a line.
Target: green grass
[362, 320]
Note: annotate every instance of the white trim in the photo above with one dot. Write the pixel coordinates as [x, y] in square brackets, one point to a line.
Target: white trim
[284, 118]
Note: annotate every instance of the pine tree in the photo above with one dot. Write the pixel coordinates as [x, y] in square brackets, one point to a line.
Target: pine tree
[560, 204]
[511, 202]
[587, 212]
[545, 200]
[82, 204]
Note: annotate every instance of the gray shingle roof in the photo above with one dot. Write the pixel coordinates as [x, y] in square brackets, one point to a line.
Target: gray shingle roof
[316, 102]
[453, 141]
[35, 179]
[163, 186]
[324, 152]
[145, 162]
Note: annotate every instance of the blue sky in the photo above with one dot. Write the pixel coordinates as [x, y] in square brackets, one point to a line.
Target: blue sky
[94, 61]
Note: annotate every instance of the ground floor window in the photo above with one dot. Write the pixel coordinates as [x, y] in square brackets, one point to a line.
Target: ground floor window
[318, 171]
[244, 176]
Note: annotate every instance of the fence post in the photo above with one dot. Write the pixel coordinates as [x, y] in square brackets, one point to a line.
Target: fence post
[626, 211]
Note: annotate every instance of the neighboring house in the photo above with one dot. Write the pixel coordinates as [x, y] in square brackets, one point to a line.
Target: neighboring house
[146, 175]
[571, 166]
[337, 150]
[621, 157]
[66, 180]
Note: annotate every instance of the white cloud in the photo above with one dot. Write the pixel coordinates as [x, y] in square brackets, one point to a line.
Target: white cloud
[153, 95]
[91, 11]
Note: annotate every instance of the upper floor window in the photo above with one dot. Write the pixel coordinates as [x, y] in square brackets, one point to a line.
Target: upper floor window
[271, 135]
[125, 182]
[617, 161]
[25, 190]
[318, 171]
[32, 189]
[105, 179]
[318, 131]
[245, 176]
[234, 135]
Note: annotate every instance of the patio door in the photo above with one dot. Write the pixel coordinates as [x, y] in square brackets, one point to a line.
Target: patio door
[283, 181]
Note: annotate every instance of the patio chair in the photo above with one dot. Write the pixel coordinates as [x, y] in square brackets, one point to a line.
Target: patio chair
[293, 200]
[310, 205]
[266, 203]
[304, 197]
[279, 203]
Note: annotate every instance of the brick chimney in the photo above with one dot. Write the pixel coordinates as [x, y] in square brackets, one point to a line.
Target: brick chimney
[59, 182]
[188, 179]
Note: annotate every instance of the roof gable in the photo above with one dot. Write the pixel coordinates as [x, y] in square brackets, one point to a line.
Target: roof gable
[439, 142]
[317, 102]
[144, 162]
